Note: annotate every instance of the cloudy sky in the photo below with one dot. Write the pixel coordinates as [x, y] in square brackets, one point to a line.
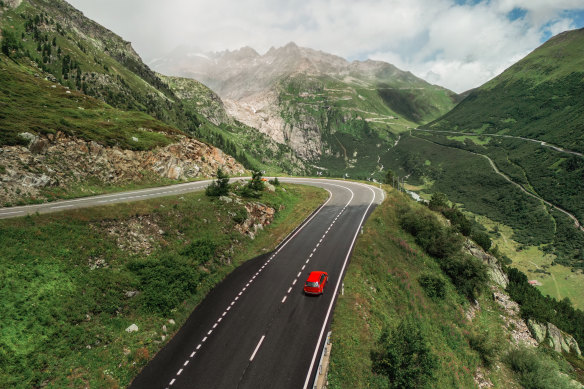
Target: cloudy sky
[459, 44]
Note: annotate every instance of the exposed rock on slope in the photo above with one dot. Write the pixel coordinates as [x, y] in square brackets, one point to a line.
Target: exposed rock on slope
[494, 267]
[556, 338]
[59, 161]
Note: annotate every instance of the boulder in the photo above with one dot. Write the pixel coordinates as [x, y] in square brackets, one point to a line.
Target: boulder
[132, 328]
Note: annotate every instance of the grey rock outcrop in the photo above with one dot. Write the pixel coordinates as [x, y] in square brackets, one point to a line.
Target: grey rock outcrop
[495, 270]
[59, 161]
[556, 338]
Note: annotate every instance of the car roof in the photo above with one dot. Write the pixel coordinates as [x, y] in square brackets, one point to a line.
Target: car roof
[315, 276]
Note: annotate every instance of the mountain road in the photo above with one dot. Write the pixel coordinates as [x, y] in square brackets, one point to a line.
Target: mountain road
[256, 329]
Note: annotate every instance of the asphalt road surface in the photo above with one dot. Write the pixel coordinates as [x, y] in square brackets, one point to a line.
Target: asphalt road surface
[257, 329]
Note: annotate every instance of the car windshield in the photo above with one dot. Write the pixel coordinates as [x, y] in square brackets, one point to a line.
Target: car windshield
[312, 284]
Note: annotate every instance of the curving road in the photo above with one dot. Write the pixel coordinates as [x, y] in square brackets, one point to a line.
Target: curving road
[256, 329]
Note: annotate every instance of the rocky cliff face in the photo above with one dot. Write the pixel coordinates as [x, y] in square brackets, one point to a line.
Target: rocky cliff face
[556, 338]
[60, 161]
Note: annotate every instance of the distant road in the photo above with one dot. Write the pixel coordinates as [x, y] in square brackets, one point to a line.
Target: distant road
[577, 223]
[540, 142]
[256, 329]
[135, 195]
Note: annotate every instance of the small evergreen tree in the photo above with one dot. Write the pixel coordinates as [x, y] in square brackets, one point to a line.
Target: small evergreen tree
[9, 42]
[438, 201]
[389, 176]
[220, 187]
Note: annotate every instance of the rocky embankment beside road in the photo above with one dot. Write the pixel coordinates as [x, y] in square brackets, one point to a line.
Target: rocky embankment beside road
[60, 161]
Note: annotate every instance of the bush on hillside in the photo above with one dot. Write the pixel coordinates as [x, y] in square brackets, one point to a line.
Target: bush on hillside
[433, 286]
[487, 347]
[468, 274]
[458, 220]
[436, 239]
[438, 201]
[482, 239]
[535, 370]
[10, 43]
[165, 283]
[255, 187]
[403, 356]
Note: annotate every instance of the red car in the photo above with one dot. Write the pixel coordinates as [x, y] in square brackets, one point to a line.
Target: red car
[315, 282]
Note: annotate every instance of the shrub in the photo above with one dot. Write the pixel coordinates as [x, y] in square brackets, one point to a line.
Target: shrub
[458, 220]
[10, 42]
[240, 215]
[165, 283]
[201, 250]
[436, 239]
[434, 286]
[482, 239]
[403, 356]
[468, 274]
[438, 201]
[256, 182]
[487, 347]
[535, 370]
[246, 191]
[275, 181]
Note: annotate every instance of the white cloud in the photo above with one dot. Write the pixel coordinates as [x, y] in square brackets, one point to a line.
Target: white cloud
[457, 46]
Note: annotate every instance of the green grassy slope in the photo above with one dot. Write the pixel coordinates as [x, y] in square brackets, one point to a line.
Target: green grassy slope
[31, 104]
[540, 98]
[383, 288]
[62, 45]
[358, 119]
[72, 282]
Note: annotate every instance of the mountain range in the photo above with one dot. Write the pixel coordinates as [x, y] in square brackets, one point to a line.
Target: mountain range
[340, 116]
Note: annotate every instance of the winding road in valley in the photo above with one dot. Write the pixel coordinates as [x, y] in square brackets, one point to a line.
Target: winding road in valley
[540, 142]
[577, 223]
[257, 329]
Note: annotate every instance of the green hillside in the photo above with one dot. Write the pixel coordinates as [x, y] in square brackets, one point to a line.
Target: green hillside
[61, 45]
[540, 97]
[31, 104]
[404, 321]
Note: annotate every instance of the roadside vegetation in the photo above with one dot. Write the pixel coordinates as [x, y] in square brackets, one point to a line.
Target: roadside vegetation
[402, 321]
[73, 282]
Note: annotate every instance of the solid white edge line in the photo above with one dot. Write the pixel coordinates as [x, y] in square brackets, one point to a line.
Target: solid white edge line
[257, 348]
[336, 291]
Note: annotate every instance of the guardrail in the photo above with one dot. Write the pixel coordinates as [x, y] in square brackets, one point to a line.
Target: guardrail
[320, 371]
